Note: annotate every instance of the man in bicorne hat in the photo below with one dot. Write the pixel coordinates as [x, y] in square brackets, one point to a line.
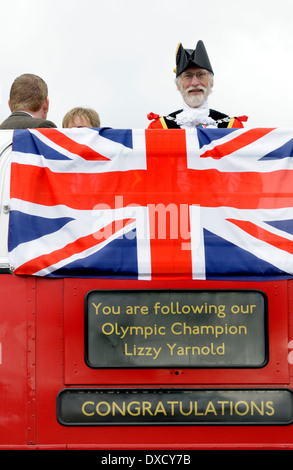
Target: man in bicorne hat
[194, 79]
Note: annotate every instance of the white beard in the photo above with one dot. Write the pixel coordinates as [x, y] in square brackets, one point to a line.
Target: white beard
[194, 101]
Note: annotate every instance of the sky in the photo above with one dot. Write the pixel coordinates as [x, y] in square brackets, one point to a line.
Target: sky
[118, 56]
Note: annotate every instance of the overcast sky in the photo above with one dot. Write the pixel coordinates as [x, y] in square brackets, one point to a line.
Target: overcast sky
[117, 56]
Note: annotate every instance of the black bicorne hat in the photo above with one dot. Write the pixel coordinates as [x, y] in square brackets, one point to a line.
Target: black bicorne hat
[189, 58]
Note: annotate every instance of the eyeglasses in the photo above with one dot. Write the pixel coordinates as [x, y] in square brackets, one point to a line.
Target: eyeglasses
[187, 77]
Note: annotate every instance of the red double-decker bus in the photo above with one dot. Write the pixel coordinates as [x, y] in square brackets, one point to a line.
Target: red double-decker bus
[161, 363]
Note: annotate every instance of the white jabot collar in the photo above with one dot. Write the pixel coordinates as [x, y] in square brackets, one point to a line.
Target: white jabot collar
[194, 117]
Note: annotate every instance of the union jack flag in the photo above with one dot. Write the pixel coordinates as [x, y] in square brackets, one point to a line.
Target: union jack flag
[152, 204]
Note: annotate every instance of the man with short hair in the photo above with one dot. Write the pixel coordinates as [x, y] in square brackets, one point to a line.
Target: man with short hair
[29, 104]
[194, 80]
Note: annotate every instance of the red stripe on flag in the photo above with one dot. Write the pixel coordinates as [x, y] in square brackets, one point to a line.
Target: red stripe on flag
[169, 256]
[236, 143]
[78, 246]
[264, 235]
[71, 145]
[164, 182]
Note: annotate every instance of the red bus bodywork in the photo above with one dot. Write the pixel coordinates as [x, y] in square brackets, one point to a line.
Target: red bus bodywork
[42, 353]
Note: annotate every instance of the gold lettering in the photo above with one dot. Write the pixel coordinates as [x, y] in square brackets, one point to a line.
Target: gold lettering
[254, 406]
[185, 408]
[107, 408]
[187, 413]
[160, 409]
[134, 310]
[86, 404]
[270, 406]
[115, 406]
[223, 403]
[172, 403]
[136, 411]
[238, 404]
[210, 408]
[97, 307]
[176, 309]
[146, 407]
[243, 309]
[196, 412]
[196, 350]
[179, 328]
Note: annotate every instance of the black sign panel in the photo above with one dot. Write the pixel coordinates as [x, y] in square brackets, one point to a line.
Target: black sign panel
[95, 407]
[175, 328]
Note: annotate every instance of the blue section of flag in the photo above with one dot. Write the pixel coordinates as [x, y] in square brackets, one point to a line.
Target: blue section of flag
[284, 151]
[205, 137]
[32, 227]
[118, 259]
[123, 137]
[224, 260]
[284, 225]
[25, 142]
